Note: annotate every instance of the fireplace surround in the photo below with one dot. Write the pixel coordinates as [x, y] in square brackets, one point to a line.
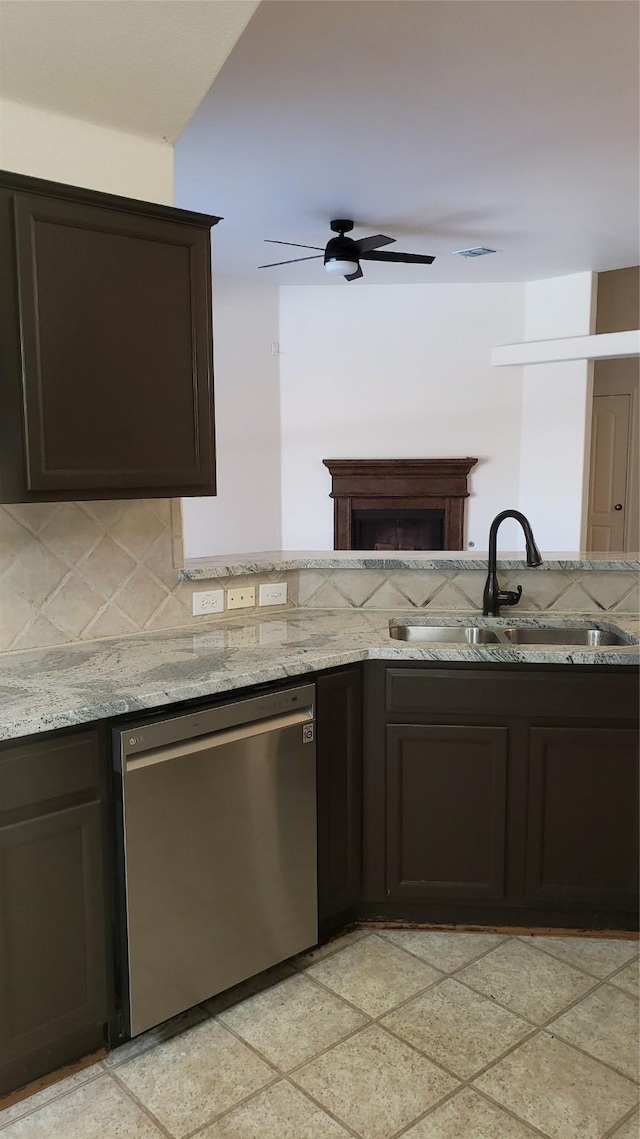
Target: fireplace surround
[403, 504]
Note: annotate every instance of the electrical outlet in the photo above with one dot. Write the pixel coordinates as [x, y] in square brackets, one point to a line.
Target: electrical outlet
[242, 598]
[209, 601]
[272, 593]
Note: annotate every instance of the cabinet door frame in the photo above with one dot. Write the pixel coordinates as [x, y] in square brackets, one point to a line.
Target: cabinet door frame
[536, 891]
[397, 888]
[43, 481]
[86, 819]
[32, 209]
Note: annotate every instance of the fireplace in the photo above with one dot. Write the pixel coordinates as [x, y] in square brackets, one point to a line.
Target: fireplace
[399, 504]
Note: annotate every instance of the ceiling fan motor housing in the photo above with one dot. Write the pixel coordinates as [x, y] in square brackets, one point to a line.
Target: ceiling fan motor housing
[341, 249]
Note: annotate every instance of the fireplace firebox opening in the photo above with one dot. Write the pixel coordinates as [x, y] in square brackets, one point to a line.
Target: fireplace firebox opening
[397, 529]
[399, 504]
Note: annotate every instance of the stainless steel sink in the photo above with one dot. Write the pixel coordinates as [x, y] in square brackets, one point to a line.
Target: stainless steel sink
[567, 635]
[445, 634]
[514, 635]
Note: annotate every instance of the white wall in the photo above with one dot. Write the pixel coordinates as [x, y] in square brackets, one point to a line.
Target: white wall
[245, 515]
[556, 414]
[62, 149]
[398, 371]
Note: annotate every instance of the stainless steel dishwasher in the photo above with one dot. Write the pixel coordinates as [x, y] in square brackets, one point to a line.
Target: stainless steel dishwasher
[218, 848]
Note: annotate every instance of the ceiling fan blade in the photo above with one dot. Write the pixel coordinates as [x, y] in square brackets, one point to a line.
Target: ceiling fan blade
[404, 258]
[378, 239]
[274, 241]
[354, 276]
[273, 264]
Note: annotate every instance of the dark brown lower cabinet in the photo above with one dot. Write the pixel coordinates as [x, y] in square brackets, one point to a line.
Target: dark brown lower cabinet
[502, 796]
[54, 960]
[446, 811]
[582, 834]
[339, 764]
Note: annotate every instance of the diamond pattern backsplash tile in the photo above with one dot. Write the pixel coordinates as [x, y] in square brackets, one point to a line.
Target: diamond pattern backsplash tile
[81, 570]
[460, 591]
[77, 571]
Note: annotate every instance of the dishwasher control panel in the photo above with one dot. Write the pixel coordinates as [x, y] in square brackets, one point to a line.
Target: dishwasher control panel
[172, 729]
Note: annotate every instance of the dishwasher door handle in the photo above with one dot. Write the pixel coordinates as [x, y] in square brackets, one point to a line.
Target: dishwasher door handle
[191, 747]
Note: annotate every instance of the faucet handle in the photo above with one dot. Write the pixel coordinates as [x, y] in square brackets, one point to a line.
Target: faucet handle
[509, 597]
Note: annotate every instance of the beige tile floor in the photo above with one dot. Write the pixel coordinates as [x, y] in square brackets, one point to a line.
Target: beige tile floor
[378, 1035]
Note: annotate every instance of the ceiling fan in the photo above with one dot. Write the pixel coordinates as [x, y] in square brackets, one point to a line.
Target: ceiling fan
[343, 255]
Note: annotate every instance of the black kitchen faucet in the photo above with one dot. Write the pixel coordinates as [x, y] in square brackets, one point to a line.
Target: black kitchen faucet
[493, 596]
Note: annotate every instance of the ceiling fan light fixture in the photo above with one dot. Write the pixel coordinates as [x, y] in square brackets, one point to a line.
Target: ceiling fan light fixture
[341, 265]
[342, 255]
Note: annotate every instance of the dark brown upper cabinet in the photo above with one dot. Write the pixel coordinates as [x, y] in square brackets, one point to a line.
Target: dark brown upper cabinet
[106, 346]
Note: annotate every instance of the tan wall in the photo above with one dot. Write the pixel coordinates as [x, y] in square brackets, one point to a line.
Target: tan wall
[618, 304]
[618, 309]
[46, 145]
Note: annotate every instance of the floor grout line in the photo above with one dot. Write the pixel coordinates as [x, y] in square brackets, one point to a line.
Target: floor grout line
[547, 1025]
[425, 961]
[466, 1086]
[621, 1122]
[535, 1027]
[31, 1111]
[129, 1094]
[332, 1115]
[221, 1114]
[287, 1073]
[530, 941]
[298, 969]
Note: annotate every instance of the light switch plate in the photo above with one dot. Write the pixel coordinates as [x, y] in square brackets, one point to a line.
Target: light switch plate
[272, 593]
[241, 598]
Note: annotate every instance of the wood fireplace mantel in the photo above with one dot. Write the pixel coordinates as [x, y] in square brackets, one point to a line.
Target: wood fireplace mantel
[404, 484]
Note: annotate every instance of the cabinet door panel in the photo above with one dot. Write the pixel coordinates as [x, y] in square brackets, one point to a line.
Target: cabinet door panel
[115, 332]
[339, 758]
[582, 834]
[446, 812]
[53, 944]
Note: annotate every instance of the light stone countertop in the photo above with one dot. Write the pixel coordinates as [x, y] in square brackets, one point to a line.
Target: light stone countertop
[59, 687]
[278, 561]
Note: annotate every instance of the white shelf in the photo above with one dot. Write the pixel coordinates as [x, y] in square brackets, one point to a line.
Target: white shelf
[605, 346]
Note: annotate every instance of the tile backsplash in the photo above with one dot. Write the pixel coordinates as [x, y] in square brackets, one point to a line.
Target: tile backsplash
[561, 591]
[77, 571]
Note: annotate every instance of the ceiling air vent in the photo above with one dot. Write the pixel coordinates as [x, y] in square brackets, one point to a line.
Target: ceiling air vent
[477, 251]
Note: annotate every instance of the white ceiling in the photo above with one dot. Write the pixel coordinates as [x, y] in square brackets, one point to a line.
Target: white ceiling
[444, 123]
[136, 65]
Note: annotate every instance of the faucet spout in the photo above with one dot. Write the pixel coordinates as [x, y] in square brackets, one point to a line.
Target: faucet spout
[494, 597]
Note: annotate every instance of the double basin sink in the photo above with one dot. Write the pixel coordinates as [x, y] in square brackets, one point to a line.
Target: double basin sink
[591, 638]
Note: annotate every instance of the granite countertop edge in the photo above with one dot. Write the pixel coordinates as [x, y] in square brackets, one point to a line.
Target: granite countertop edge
[233, 565]
[64, 686]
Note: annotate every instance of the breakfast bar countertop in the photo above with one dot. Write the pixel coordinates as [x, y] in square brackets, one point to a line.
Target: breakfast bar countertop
[47, 689]
[281, 561]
